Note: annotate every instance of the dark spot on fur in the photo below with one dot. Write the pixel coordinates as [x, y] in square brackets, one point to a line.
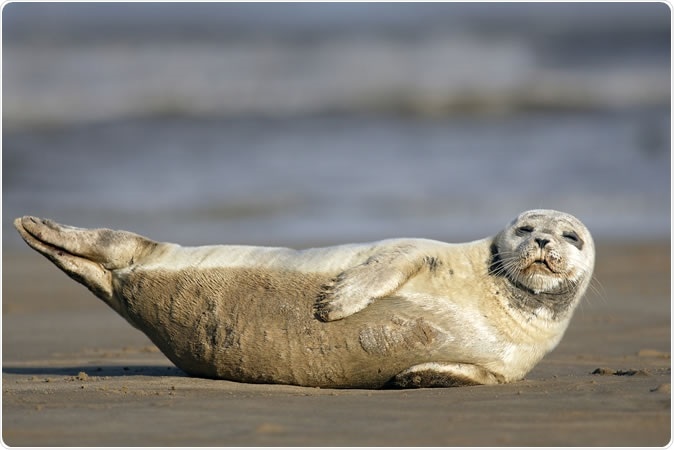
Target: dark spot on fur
[523, 298]
[371, 260]
[495, 264]
[399, 335]
[230, 337]
[106, 238]
[432, 262]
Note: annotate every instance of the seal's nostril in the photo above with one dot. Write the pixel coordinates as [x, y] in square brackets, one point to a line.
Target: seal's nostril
[542, 242]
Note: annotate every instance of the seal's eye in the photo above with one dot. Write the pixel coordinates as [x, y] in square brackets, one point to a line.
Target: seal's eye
[525, 229]
[572, 238]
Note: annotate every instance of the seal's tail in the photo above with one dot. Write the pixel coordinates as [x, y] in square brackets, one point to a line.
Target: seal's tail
[86, 255]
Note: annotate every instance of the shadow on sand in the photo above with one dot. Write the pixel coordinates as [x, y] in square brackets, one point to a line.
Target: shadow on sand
[102, 371]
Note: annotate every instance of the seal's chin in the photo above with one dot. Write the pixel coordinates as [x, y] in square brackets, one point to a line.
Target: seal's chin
[536, 283]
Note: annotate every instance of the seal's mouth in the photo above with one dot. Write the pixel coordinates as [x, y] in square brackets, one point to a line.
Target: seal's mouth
[541, 264]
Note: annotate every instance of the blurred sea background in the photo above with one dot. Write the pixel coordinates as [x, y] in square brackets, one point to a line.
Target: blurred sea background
[322, 123]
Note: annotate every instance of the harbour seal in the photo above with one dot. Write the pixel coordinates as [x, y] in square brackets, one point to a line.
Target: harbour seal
[398, 312]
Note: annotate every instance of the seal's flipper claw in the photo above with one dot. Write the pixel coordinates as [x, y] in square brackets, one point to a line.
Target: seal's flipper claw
[345, 295]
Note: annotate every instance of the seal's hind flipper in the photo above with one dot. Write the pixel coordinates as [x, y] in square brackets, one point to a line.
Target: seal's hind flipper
[86, 255]
[110, 248]
[432, 374]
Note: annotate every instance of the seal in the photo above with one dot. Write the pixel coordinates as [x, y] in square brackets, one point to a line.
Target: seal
[401, 312]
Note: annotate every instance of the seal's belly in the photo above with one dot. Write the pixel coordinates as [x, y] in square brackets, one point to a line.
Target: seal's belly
[256, 325]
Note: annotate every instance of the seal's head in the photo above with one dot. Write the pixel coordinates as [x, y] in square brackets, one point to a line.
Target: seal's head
[545, 252]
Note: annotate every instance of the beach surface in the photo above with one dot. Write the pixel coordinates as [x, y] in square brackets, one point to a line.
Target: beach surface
[76, 374]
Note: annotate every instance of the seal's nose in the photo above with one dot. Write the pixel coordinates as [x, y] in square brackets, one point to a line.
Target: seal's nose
[542, 242]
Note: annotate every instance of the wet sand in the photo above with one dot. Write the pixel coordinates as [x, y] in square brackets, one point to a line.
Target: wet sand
[76, 374]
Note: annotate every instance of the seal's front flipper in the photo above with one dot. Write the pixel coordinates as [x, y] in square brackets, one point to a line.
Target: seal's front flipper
[87, 256]
[355, 288]
[428, 375]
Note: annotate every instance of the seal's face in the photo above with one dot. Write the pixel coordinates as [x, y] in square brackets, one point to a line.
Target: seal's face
[545, 251]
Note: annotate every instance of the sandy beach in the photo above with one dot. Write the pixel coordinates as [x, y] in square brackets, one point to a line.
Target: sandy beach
[76, 374]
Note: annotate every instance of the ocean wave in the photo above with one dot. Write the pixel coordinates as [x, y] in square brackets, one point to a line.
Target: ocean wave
[434, 75]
